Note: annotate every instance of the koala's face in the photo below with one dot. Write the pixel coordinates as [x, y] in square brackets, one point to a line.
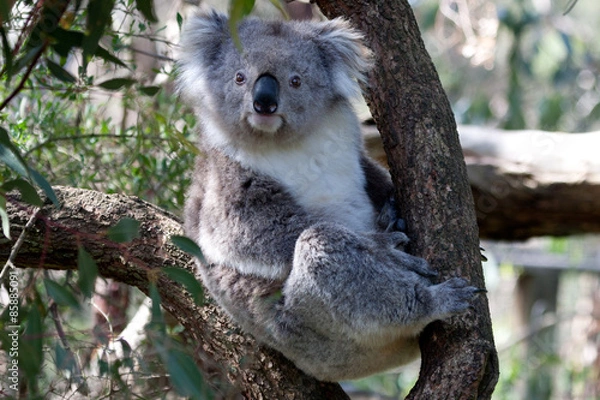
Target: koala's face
[287, 79]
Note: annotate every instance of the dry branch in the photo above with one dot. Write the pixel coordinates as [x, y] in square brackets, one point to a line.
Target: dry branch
[528, 183]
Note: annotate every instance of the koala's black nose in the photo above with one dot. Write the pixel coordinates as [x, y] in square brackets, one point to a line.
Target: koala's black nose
[265, 94]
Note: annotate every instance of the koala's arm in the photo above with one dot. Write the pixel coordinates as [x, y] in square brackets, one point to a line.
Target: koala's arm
[243, 219]
[378, 183]
[380, 189]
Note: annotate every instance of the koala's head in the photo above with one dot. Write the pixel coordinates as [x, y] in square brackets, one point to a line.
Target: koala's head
[288, 77]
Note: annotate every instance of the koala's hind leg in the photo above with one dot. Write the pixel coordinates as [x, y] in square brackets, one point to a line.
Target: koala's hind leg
[365, 285]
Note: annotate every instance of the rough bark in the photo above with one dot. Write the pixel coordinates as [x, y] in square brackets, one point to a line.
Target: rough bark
[528, 183]
[231, 361]
[419, 134]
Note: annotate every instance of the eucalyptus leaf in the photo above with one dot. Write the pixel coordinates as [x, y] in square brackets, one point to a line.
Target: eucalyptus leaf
[4, 217]
[116, 83]
[28, 192]
[187, 280]
[88, 272]
[63, 296]
[124, 231]
[59, 72]
[185, 376]
[189, 246]
[146, 8]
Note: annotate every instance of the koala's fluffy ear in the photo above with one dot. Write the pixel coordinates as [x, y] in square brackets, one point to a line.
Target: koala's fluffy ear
[201, 44]
[350, 58]
[204, 35]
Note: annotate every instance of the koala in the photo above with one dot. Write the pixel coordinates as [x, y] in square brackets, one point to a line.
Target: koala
[293, 218]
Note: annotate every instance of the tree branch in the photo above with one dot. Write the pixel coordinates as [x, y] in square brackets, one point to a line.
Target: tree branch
[527, 183]
[231, 361]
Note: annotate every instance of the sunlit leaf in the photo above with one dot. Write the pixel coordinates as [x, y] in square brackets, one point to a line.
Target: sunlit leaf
[279, 5]
[238, 9]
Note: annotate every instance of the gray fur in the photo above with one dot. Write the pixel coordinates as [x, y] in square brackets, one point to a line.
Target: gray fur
[291, 215]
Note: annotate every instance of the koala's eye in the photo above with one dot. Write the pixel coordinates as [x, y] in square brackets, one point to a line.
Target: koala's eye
[295, 81]
[240, 78]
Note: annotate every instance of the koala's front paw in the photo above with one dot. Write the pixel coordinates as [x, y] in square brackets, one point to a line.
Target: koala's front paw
[454, 295]
[388, 219]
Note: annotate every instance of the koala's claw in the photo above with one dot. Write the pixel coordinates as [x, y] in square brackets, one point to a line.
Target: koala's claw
[455, 295]
[388, 219]
[400, 225]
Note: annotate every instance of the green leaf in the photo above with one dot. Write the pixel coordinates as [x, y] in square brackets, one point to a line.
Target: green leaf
[27, 58]
[10, 155]
[149, 90]
[65, 40]
[59, 72]
[117, 83]
[189, 246]
[188, 280]
[43, 184]
[8, 54]
[185, 376]
[63, 359]
[30, 343]
[4, 217]
[179, 20]
[157, 321]
[146, 8]
[279, 5]
[28, 192]
[107, 56]
[61, 295]
[88, 272]
[238, 9]
[5, 8]
[98, 19]
[125, 230]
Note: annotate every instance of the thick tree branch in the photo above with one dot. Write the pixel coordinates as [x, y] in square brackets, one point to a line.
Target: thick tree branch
[419, 135]
[231, 361]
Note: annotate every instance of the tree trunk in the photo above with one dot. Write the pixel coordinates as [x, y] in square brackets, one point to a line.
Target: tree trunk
[419, 134]
[233, 362]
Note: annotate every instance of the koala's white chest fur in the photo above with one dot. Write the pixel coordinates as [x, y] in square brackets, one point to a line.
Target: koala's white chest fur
[322, 172]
